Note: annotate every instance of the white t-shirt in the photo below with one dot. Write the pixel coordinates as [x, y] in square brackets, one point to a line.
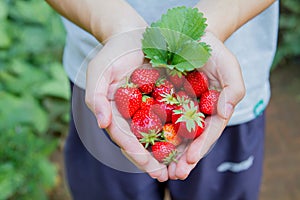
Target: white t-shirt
[254, 45]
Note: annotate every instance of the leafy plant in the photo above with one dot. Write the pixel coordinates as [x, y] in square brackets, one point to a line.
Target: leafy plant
[289, 32]
[34, 94]
[173, 41]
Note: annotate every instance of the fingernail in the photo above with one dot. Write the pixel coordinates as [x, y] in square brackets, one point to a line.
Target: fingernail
[100, 120]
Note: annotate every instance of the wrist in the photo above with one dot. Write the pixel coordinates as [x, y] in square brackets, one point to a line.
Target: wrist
[105, 25]
[103, 35]
[222, 17]
[225, 17]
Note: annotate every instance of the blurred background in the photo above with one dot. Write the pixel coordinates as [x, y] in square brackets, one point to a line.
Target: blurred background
[34, 105]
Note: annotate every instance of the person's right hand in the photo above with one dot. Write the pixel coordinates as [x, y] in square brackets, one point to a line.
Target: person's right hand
[116, 60]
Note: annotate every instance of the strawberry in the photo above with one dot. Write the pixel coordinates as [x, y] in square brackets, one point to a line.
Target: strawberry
[164, 152]
[162, 88]
[188, 120]
[165, 101]
[182, 94]
[196, 83]
[176, 78]
[145, 121]
[182, 97]
[164, 110]
[128, 100]
[170, 134]
[147, 102]
[145, 79]
[208, 102]
[150, 138]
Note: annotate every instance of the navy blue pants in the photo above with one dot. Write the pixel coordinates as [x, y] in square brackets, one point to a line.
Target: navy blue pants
[231, 171]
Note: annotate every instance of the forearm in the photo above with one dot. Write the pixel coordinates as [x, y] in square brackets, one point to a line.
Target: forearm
[101, 18]
[225, 17]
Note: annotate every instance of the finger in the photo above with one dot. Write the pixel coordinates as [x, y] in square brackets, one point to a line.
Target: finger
[172, 171]
[231, 80]
[183, 168]
[164, 175]
[120, 133]
[102, 110]
[96, 94]
[119, 53]
[227, 71]
[160, 173]
[201, 145]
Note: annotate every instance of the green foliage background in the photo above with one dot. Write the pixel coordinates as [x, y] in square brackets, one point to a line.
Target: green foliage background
[289, 33]
[34, 92]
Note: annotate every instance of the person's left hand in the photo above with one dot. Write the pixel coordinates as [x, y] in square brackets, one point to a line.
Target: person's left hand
[224, 72]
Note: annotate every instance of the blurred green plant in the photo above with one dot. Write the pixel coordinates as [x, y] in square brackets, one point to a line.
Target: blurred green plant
[34, 91]
[289, 32]
[34, 94]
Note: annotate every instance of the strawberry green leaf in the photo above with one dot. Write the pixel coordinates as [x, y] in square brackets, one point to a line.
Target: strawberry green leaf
[191, 55]
[155, 47]
[188, 21]
[190, 116]
[173, 41]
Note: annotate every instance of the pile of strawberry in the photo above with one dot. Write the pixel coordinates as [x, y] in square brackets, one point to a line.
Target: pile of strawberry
[166, 101]
[165, 108]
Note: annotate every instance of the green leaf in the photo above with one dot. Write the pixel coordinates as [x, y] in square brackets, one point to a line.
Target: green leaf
[21, 77]
[5, 40]
[3, 10]
[187, 21]
[57, 86]
[34, 11]
[10, 180]
[53, 88]
[292, 5]
[155, 47]
[190, 56]
[34, 39]
[49, 172]
[172, 42]
[15, 111]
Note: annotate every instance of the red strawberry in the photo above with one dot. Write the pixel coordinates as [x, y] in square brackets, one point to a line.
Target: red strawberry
[165, 101]
[163, 110]
[145, 79]
[128, 100]
[208, 102]
[196, 83]
[150, 138]
[145, 121]
[147, 102]
[188, 120]
[182, 94]
[162, 88]
[182, 97]
[177, 78]
[170, 134]
[164, 152]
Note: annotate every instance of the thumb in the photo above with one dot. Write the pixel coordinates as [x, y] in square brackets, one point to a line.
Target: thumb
[233, 88]
[96, 97]
[228, 99]
[231, 80]
[102, 111]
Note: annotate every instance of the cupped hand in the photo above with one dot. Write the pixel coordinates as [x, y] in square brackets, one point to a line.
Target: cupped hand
[224, 73]
[106, 71]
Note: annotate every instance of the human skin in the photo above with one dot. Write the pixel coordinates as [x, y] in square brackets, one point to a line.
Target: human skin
[119, 27]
